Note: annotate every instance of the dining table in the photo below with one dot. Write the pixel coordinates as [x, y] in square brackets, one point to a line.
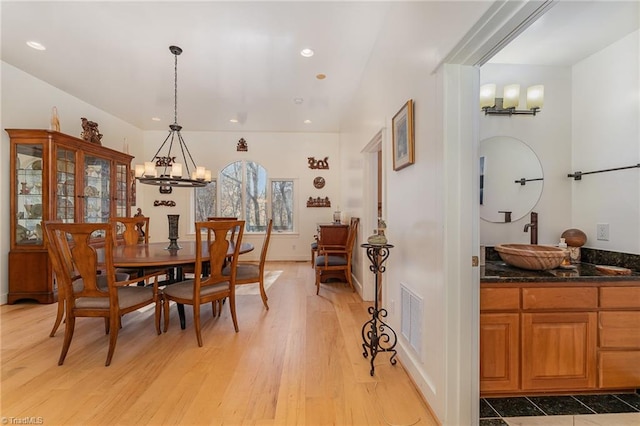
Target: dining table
[156, 255]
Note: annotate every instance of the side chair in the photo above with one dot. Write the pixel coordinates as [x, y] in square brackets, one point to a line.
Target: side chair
[250, 273]
[131, 231]
[76, 260]
[331, 259]
[214, 287]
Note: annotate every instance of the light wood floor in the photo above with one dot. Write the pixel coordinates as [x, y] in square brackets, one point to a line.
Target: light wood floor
[300, 363]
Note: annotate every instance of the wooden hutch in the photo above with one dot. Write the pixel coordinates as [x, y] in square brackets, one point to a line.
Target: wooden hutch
[57, 177]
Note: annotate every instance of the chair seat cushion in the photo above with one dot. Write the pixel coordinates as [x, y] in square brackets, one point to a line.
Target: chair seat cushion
[184, 289]
[244, 271]
[332, 261]
[314, 245]
[127, 296]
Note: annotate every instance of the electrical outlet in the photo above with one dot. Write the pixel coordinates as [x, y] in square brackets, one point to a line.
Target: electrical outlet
[602, 232]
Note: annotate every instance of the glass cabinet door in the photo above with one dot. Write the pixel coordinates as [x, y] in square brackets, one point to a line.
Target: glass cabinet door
[97, 197]
[121, 189]
[29, 194]
[64, 196]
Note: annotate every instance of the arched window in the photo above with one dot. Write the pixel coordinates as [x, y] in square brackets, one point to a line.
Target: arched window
[244, 190]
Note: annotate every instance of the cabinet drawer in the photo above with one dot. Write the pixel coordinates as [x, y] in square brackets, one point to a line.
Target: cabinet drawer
[560, 298]
[499, 299]
[619, 369]
[619, 329]
[620, 297]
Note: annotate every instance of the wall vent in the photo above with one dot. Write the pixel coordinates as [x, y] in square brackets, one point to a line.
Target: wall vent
[411, 320]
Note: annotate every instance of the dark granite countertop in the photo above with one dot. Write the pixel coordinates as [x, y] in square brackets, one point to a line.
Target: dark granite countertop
[496, 271]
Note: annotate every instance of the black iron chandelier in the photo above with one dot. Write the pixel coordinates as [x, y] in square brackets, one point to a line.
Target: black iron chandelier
[165, 170]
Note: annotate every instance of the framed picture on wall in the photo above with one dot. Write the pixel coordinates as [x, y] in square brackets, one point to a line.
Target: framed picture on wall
[402, 137]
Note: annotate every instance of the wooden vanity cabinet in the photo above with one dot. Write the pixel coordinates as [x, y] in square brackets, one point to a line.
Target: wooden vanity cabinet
[499, 339]
[555, 337]
[57, 177]
[619, 345]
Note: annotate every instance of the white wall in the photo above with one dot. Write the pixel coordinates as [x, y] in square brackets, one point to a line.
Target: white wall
[606, 134]
[284, 155]
[419, 215]
[548, 134]
[589, 121]
[27, 104]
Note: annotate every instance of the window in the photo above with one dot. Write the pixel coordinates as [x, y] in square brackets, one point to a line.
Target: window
[282, 205]
[205, 201]
[245, 192]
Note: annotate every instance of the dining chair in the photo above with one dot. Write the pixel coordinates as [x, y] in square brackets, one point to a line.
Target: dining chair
[76, 262]
[332, 259]
[250, 272]
[131, 231]
[190, 269]
[215, 286]
[101, 282]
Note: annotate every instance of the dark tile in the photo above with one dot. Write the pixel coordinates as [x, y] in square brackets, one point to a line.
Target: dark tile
[493, 422]
[486, 410]
[605, 404]
[560, 405]
[514, 407]
[632, 399]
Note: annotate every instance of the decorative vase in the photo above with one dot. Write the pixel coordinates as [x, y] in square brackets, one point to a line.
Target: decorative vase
[55, 121]
[173, 232]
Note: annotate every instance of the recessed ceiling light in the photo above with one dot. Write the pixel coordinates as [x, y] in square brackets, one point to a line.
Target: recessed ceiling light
[155, 118]
[307, 53]
[36, 45]
[298, 101]
[321, 76]
[233, 120]
[307, 121]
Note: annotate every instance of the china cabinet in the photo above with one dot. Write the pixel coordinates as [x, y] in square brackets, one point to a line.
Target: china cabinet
[62, 178]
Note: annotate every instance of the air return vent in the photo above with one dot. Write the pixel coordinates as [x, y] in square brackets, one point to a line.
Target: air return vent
[411, 321]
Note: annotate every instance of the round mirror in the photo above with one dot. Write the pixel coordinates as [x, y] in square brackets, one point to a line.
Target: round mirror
[511, 179]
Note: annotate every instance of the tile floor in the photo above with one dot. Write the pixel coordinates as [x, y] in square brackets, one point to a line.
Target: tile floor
[576, 410]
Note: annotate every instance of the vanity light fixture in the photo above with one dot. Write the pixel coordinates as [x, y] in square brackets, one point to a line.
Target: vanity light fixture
[508, 104]
[171, 173]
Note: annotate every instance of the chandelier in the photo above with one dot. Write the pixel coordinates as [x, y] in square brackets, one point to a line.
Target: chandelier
[170, 170]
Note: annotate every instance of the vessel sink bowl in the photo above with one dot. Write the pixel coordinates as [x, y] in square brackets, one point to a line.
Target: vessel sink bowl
[530, 256]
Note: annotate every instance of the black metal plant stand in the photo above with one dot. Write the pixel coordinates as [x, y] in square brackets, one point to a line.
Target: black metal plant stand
[377, 335]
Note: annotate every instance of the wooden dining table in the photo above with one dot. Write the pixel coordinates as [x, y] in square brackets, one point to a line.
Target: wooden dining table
[155, 255]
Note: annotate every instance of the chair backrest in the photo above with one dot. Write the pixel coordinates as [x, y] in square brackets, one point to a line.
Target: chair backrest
[76, 258]
[132, 229]
[218, 252]
[221, 218]
[265, 243]
[353, 232]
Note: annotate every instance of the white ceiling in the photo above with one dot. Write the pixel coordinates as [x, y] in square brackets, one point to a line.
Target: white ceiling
[571, 31]
[241, 59]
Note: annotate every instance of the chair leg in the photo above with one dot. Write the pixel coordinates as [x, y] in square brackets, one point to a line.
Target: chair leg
[158, 314]
[214, 306]
[196, 322]
[59, 316]
[165, 304]
[106, 325]
[232, 308]
[313, 255]
[70, 323]
[317, 282]
[263, 293]
[113, 337]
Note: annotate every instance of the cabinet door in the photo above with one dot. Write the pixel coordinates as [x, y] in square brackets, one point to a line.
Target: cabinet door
[30, 203]
[559, 351]
[499, 352]
[121, 190]
[64, 198]
[96, 190]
